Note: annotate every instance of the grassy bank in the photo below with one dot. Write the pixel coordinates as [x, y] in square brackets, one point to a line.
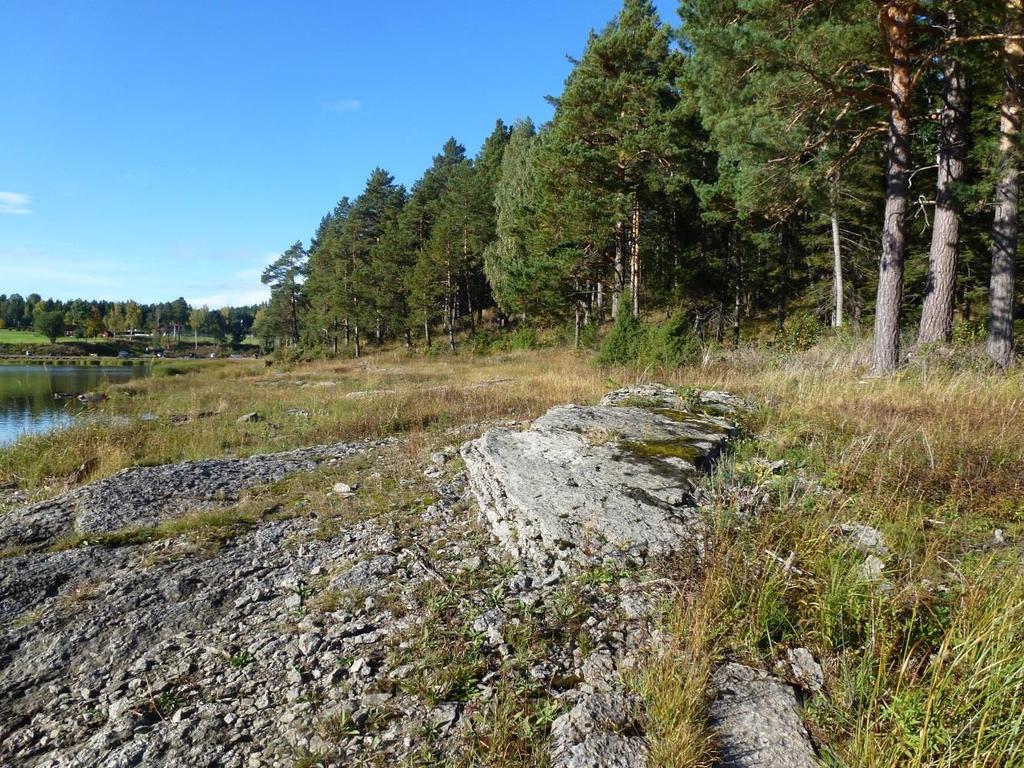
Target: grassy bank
[924, 662]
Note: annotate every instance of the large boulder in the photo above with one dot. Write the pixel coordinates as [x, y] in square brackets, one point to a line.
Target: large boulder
[585, 483]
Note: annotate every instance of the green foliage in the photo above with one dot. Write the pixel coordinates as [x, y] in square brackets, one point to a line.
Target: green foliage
[671, 343]
[49, 324]
[625, 343]
[799, 333]
[632, 342]
[242, 659]
[518, 339]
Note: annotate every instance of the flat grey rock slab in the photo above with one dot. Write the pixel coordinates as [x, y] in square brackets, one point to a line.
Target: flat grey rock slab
[757, 720]
[146, 496]
[585, 483]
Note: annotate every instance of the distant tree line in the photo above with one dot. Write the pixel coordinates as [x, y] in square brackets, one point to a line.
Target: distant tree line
[92, 319]
[831, 161]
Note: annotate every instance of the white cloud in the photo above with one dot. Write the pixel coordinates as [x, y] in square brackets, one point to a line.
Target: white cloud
[237, 297]
[16, 203]
[341, 106]
[241, 289]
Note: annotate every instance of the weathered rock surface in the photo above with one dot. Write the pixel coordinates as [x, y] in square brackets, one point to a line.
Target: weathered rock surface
[601, 731]
[288, 639]
[758, 722]
[145, 496]
[585, 483]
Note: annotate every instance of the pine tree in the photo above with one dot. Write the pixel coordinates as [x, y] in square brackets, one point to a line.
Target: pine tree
[431, 285]
[286, 300]
[614, 135]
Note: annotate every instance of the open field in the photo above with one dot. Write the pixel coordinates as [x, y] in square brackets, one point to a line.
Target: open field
[8, 336]
[924, 663]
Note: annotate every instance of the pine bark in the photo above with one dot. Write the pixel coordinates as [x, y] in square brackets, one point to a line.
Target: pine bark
[937, 313]
[634, 257]
[896, 18]
[1007, 195]
[837, 270]
[619, 278]
[738, 289]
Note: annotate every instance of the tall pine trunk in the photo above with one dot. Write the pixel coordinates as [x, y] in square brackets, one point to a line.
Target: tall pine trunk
[449, 308]
[937, 313]
[896, 18]
[737, 290]
[619, 279]
[634, 257]
[1007, 194]
[837, 270]
[359, 348]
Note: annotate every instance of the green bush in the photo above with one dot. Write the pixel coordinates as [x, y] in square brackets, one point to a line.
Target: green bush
[967, 333]
[671, 343]
[523, 337]
[625, 342]
[487, 342]
[483, 342]
[631, 342]
[800, 333]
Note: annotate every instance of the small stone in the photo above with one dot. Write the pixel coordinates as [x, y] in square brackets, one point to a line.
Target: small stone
[519, 583]
[864, 538]
[758, 721]
[249, 418]
[805, 669]
[444, 716]
[344, 490]
[309, 643]
[872, 569]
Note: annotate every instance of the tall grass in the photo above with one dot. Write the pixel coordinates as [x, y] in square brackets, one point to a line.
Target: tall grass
[925, 670]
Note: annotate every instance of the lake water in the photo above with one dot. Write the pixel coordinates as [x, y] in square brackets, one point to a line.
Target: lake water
[27, 402]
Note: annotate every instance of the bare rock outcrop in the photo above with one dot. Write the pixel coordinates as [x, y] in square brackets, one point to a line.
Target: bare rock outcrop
[585, 483]
[147, 496]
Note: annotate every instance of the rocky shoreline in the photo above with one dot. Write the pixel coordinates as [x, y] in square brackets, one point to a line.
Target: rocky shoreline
[378, 626]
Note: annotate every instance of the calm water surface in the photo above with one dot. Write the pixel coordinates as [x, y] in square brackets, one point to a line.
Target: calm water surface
[27, 402]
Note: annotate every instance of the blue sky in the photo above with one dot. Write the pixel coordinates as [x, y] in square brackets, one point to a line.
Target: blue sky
[151, 149]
